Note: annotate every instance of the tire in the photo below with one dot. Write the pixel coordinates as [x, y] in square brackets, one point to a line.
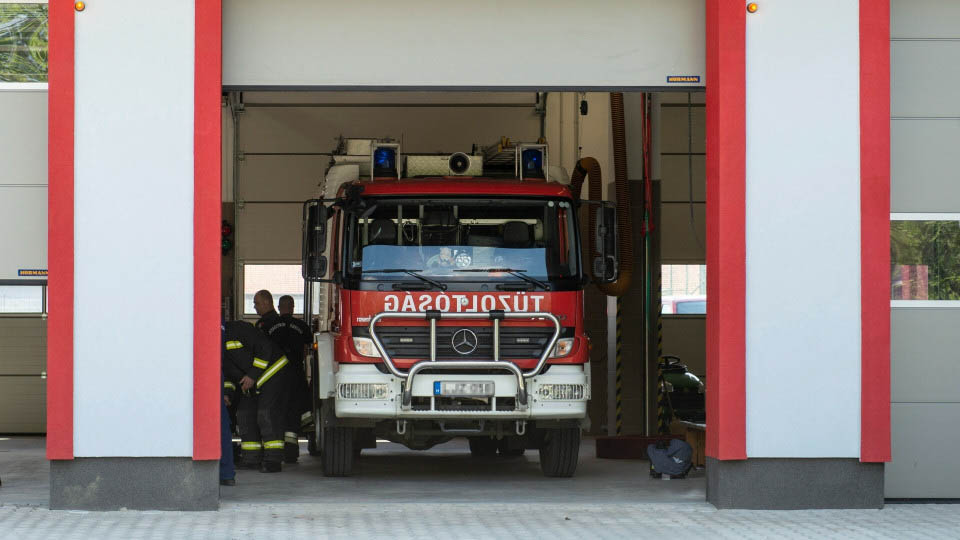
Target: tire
[312, 447]
[338, 452]
[511, 447]
[483, 446]
[559, 452]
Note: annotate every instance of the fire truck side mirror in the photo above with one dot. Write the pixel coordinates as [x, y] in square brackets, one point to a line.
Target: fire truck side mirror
[315, 216]
[606, 260]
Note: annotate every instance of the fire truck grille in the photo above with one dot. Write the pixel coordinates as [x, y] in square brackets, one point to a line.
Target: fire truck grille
[516, 342]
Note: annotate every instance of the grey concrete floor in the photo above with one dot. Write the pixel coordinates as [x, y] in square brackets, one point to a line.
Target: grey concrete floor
[24, 471]
[391, 473]
[444, 493]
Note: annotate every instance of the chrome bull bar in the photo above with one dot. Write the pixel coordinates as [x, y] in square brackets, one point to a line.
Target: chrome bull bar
[457, 365]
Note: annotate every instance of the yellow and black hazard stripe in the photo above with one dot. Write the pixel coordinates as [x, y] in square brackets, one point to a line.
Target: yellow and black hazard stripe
[663, 413]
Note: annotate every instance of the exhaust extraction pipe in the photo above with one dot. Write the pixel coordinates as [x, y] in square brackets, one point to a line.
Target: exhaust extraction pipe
[589, 168]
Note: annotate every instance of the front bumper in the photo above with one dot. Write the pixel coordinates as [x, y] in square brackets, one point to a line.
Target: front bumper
[426, 405]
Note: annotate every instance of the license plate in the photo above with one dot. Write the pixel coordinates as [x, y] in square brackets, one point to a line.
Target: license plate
[463, 388]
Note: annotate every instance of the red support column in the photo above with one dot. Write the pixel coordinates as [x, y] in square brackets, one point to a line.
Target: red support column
[60, 231]
[875, 230]
[726, 222]
[206, 231]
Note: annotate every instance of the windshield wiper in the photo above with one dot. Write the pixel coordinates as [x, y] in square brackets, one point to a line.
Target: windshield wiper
[413, 272]
[513, 272]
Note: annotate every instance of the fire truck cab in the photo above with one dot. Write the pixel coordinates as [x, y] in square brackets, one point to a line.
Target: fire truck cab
[456, 309]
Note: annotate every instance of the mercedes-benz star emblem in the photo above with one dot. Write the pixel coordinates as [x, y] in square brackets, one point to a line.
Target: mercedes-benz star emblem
[464, 341]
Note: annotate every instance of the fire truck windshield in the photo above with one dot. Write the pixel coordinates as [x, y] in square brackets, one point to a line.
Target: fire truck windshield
[521, 243]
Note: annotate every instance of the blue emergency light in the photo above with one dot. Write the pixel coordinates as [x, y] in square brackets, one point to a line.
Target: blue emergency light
[532, 162]
[385, 159]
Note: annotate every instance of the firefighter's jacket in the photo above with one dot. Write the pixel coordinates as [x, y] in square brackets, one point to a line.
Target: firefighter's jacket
[285, 332]
[248, 352]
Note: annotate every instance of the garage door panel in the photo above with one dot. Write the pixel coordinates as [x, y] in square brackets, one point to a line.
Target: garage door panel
[678, 243]
[924, 165]
[924, 345]
[23, 347]
[281, 178]
[269, 232]
[925, 78]
[924, 463]
[675, 181]
[23, 404]
[421, 130]
[924, 19]
[536, 43]
[382, 98]
[674, 123]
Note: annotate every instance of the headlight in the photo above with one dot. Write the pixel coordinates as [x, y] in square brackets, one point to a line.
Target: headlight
[365, 347]
[567, 392]
[562, 348]
[363, 390]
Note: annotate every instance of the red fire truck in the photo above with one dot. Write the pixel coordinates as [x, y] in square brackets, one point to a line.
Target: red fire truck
[455, 307]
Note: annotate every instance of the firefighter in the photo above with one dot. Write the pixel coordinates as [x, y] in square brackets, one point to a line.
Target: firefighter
[300, 403]
[291, 340]
[256, 367]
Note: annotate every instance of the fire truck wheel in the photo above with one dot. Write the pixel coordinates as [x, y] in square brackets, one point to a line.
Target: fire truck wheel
[312, 446]
[338, 453]
[482, 446]
[559, 452]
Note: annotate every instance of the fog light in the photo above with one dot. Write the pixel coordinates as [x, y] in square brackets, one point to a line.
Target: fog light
[562, 348]
[363, 390]
[558, 392]
[365, 347]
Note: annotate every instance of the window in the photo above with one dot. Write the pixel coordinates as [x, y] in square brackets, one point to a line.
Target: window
[22, 299]
[924, 257]
[684, 289]
[463, 242]
[279, 279]
[23, 42]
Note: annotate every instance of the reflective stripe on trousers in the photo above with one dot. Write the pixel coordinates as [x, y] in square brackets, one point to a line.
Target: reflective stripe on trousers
[271, 371]
[273, 445]
[291, 437]
[251, 446]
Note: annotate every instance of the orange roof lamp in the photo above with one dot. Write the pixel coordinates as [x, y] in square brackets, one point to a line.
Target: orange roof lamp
[752, 7]
[80, 6]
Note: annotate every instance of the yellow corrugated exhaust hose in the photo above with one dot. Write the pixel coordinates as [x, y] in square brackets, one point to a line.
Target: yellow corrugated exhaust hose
[588, 168]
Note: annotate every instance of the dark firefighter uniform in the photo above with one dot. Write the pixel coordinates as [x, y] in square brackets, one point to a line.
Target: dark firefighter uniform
[292, 339]
[300, 402]
[260, 410]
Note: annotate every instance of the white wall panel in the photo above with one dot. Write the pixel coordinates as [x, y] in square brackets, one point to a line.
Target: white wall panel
[23, 182]
[538, 43]
[803, 230]
[133, 303]
[927, 19]
[23, 222]
[924, 78]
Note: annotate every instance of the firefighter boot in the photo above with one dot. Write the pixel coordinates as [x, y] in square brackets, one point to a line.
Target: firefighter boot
[270, 467]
